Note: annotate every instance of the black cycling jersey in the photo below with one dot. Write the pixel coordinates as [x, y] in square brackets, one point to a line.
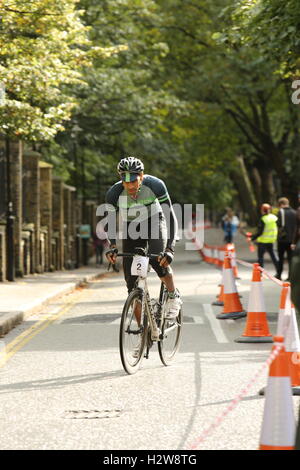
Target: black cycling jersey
[152, 199]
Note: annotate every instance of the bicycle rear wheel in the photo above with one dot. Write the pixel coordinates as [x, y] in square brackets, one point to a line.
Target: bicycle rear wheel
[171, 333]
[133, 336]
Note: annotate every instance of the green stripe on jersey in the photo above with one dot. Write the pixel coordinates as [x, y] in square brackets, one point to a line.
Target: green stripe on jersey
[163, 198]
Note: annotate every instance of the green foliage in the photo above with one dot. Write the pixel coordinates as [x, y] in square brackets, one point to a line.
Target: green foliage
[186, 86]
[273, 27]
[40, 49]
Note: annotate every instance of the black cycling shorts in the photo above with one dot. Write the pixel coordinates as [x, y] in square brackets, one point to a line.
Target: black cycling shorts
[156, 245]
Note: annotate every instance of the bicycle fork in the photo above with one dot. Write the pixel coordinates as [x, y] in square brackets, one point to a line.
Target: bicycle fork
[155, 331]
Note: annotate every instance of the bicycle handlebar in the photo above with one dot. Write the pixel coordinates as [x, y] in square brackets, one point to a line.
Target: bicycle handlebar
[148, 255]
[130, 255]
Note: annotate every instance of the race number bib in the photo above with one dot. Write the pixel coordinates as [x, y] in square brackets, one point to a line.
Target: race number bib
[139, 266]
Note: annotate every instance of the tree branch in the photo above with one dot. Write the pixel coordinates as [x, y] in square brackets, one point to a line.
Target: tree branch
[236, 118]
[187, 33]
[40, 12]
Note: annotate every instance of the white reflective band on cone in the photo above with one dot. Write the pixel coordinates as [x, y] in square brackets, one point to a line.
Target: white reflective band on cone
[279, 425]
[292, 341]
[229, 282]
[256, 301]
[285, 315]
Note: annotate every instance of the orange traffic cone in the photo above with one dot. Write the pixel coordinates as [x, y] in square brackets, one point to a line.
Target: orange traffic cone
[231, 249]
[284, 310]
[257, 329]
[279, 426]
[292, 347]
[220, 297]
[216, 256]
[209, 254]
[222, 251]
[232, 305]
[206, 252]
[287, 327]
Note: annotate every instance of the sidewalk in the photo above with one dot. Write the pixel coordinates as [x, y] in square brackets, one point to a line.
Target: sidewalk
[27, 295]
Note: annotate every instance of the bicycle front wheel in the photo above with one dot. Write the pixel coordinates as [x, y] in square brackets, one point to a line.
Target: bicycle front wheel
[171, 338]
[133, 333]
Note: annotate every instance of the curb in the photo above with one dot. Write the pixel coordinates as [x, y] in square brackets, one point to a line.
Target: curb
[9, 320]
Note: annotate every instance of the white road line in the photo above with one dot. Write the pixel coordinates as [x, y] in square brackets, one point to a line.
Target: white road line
[215, 324]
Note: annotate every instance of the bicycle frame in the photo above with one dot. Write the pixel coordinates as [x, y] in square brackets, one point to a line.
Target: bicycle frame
[155, 330]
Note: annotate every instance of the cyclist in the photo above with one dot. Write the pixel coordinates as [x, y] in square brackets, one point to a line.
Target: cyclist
[156, 225]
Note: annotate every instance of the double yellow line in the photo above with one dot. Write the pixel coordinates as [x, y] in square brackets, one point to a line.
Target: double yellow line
[15, 345]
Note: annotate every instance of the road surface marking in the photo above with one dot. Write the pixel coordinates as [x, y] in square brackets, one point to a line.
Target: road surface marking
[11, 348]
[215, 324]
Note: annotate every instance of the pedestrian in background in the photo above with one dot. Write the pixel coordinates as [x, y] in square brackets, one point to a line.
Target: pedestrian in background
[230, 224]
[287, 225]
[266, 235]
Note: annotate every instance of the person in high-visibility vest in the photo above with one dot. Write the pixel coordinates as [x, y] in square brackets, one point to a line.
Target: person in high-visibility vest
[266, 235]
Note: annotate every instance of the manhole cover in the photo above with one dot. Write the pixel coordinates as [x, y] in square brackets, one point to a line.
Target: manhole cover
[92, 414]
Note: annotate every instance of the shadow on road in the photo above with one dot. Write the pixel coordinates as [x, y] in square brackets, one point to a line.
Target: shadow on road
[58, 382]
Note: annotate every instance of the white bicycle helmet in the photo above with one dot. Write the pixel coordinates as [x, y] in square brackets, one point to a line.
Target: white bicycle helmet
[131, 164]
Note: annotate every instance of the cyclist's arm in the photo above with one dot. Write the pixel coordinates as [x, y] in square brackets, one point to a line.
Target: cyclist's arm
[172, 225]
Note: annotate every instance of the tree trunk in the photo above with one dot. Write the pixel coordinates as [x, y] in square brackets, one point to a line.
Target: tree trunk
[256, 184]
[268, 191]
[244, 187]
[262, 177]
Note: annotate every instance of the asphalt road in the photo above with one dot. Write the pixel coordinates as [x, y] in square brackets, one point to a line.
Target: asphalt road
[62, 385]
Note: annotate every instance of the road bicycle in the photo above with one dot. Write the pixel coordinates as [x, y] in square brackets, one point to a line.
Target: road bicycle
[143, 320]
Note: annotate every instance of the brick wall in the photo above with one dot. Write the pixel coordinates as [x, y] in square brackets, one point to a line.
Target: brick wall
[47, 215]
[46, 210]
